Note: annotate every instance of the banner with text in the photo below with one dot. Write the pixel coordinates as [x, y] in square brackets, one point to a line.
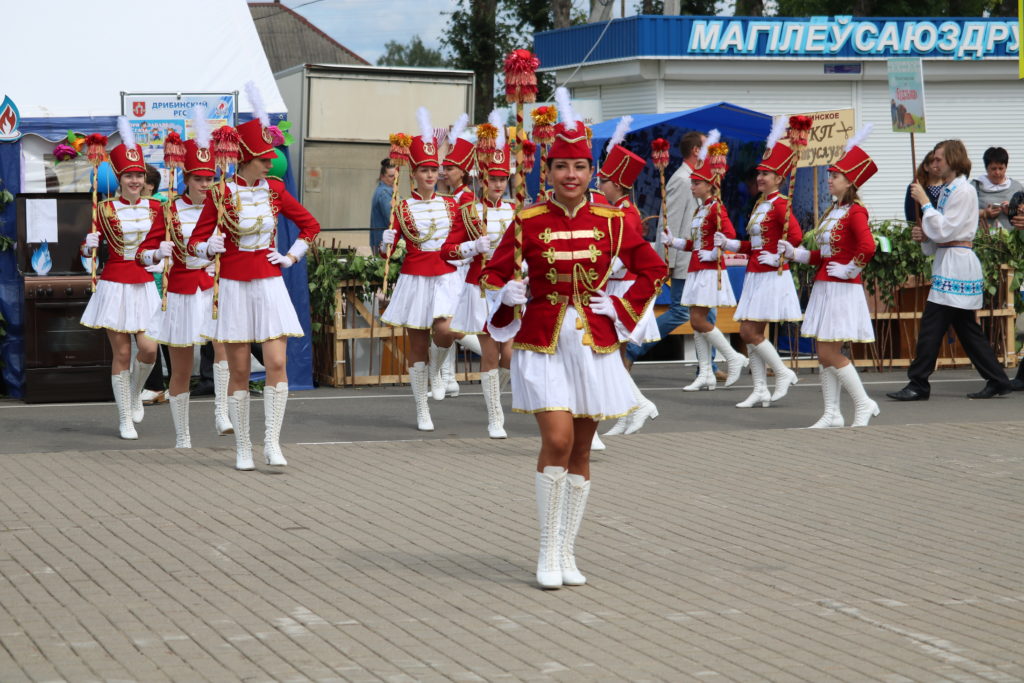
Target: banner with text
[906, 95]
[829, 133]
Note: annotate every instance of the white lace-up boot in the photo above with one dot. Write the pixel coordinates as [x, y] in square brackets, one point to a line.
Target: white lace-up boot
[550, 485]
[736, 360]
[596, 444]
[783, 375]
[419, 380]
[505, 379]
[275, 399]
[451, 384]
[471, 342]
[122, 385]
[220, 397]
[438, 356]
[492, 399]
[705, 377]
[179, 413]
[645, 409]
[864, 407]
[760, 394]
[238, 411]
[619, 427]
[140, 372]
[832, 417]
[576, 491]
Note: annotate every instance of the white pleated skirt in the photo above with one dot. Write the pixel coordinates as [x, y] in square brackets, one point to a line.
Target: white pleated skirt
[646, 329]
[122, 307]
[838, 311]
[701, 289]
[419, 299]
[768, 297]
[573, 378]
[471, 312]
[182, 323]
[252, 311]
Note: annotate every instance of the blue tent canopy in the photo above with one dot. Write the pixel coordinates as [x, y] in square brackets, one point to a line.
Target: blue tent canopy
[744, 130]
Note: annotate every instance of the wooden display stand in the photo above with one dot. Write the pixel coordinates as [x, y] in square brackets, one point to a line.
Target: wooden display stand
[355, 349]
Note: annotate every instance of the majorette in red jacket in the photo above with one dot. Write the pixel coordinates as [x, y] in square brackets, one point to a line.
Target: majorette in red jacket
[765, 229]
[249, 223]
[130, 230]
[711, 217]
[844, 237]
[499, 216]
[569, 254]
[433, 230]
[188, 273]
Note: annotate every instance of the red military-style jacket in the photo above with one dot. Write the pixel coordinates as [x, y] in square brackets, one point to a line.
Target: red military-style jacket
[633, 222]
[500, 215]
[569, 255]
[129, 230]
[249, 224]
[843, 237]
[462, 195]
[433, 229]
[765, 229]
[714, 218]
[188, 273]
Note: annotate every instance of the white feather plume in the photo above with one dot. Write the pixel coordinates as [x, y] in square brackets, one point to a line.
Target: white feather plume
[426, 129]
[711, 138]
[259, 110]
[778, 130]
[497, 119]
[124, 127]
[621, 128]
[458, 128]
[201, 126]
[565, 110]
[861, 135]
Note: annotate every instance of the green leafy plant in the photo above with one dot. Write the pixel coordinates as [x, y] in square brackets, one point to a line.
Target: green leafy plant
[329, 267]
[889, 271]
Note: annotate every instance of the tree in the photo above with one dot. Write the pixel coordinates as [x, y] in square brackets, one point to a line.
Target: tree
[749, 8]
[415, 53]
[561, 11]
[477, 43]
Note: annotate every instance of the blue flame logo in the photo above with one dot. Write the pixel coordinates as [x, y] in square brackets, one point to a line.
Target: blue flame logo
[41, 262]
[9, 118]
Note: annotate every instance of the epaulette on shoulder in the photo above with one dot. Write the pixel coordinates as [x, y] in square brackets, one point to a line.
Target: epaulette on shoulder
[108, 200]
[606, 211]
[535, 210]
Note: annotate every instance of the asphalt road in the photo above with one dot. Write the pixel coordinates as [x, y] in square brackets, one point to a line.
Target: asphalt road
[329, 415]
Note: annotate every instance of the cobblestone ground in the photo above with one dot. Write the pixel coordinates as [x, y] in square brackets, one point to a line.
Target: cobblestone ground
[888, 553]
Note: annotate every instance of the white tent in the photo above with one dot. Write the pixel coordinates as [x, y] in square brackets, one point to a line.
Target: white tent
[72, 59]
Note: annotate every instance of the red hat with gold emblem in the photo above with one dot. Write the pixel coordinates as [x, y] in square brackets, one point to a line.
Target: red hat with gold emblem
[255, 141]
[778, 156]
[501, 162]
[572, 137]
[856, 165]
[460, 152]
[127, 157]
[423, 150]
[620, 165]
[198, 160]
[711, 159]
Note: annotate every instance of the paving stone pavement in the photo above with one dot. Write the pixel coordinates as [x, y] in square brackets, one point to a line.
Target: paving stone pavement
[888, 553]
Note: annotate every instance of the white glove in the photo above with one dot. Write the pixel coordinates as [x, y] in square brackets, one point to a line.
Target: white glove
[673, 242]
[483, 244]
[514, 292]
[708, 256]
[602, 304]
[843, 271]
[211, 270]
[165, 250]
[279, 259]
[666, 238]
[215, 245]
[155, 268]
[767, 258]
[92, 240]
[387, 240]
[786, 249]
[726, 244]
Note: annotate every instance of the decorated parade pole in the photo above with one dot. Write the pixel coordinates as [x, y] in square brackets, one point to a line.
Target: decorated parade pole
[96, 146]
[544, 119]
[520, 87]
[174, 158]
[799, 133]
[718, 153]
[399, 153]
[226, 152]
[659, 157]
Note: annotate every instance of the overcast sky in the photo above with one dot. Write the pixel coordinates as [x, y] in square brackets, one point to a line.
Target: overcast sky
[364, 26]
